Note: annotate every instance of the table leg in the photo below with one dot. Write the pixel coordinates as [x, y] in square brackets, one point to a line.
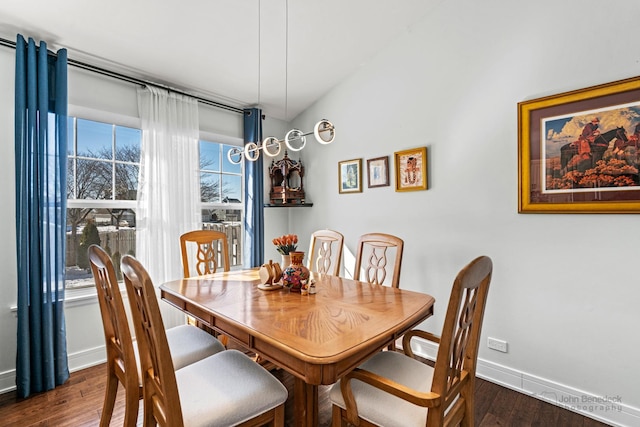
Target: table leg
[305, 404]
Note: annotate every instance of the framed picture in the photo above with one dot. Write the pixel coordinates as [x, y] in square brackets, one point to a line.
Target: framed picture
[578, 151]
[411, 169]
[350, 176]
[378, 172]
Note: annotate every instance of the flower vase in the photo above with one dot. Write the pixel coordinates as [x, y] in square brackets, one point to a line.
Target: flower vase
[296, 275]
[286, 262]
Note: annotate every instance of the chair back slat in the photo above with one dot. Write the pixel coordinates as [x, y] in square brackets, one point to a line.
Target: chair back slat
[212, 252]
[377, 256]
[325, 252]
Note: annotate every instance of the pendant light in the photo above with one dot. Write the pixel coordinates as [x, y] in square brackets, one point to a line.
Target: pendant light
[324, 131]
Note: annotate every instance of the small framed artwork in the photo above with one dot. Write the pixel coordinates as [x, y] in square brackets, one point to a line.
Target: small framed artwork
[411, 169]
[378, 172]
[579, 151]
[350, 176]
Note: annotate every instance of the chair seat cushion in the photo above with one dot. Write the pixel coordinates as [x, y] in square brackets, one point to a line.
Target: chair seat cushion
[226, 389]
[374, 405]
[188, 344]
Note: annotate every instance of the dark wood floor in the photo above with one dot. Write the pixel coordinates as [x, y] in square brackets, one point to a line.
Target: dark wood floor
[79, 403]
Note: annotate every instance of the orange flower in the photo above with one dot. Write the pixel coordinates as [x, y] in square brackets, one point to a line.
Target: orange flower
[286, 243]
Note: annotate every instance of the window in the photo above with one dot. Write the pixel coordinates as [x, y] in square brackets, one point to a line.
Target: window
[222, 196]
[103, 161]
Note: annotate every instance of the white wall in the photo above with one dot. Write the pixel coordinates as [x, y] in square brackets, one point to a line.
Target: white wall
[565, 287]
[8, 290]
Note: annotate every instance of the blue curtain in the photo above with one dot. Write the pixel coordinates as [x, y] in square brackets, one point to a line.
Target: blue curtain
[41, 198]
[254, 193]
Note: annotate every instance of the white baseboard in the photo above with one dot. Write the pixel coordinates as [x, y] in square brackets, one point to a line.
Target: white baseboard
[607, 409]
[7, 381]
[77, 361]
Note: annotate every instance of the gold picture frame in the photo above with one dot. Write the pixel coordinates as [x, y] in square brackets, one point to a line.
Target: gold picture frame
[579, 151]
[350, 176]
[411, 169]
[378, 172]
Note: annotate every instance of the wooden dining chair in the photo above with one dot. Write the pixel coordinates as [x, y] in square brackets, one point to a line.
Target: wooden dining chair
[373, 254]
[225, 389]
[212, 249]
[325, 252]
[189, 344]
[394, 389]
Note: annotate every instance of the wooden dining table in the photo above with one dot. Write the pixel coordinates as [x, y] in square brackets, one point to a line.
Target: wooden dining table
[317, 338]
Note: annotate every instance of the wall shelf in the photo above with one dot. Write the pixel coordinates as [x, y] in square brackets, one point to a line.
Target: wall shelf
[288, 205]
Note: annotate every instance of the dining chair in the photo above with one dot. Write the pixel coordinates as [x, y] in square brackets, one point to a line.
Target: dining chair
[225, 389]
[394, 389]
[212, 249]
[325, 252]
[188, 343]
[372, 258]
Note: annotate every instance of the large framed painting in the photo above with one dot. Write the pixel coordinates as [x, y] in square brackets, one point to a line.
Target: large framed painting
[579, 151]
[350, 176]
[411, 169]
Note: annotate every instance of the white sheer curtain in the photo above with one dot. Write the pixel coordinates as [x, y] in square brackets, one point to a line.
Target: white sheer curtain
[169, 184]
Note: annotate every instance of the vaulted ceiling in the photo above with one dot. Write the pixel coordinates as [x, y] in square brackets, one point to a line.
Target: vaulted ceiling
[280, 54]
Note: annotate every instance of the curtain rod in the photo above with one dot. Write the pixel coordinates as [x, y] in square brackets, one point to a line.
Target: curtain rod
[135, 80]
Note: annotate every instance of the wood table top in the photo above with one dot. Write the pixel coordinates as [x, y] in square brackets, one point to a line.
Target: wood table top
[343, 316]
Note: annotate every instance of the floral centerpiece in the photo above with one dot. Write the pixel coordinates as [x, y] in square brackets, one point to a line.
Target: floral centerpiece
[286, 244]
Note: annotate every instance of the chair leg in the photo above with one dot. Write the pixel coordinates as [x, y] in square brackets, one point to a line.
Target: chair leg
[149, 420]
[336, 416]
[469, 407]
[109, 398]
[132, 403]
[278, 418]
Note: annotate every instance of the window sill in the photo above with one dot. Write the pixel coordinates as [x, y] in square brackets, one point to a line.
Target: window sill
[74, 298]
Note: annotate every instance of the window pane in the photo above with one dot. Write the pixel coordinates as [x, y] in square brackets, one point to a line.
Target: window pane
[227, 221]
[227, 166]
[231, 186]
[93, 179]
[71, 168]
[126, 181]
[94, 139]
[128, 144]
[210, 187]
[209, 156]
[113, 229]
[71, 137]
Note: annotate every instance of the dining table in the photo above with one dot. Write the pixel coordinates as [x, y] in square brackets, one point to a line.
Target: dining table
[318, 338]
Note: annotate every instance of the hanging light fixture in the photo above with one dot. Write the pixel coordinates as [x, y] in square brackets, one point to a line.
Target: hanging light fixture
[295, 140]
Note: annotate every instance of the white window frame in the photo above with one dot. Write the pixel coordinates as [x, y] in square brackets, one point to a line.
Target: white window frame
[238, 142]
[88, 294]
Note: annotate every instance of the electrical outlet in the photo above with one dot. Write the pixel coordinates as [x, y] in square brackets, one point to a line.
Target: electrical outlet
[497, 344]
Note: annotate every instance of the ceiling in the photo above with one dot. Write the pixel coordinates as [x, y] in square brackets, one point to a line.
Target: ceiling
[280, 54]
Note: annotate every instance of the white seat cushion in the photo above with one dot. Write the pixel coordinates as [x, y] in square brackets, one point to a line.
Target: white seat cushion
[384, 409]
[188, 344]
[226, 389]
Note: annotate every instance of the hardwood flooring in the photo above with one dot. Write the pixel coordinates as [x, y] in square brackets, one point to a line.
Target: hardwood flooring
[78, 403]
